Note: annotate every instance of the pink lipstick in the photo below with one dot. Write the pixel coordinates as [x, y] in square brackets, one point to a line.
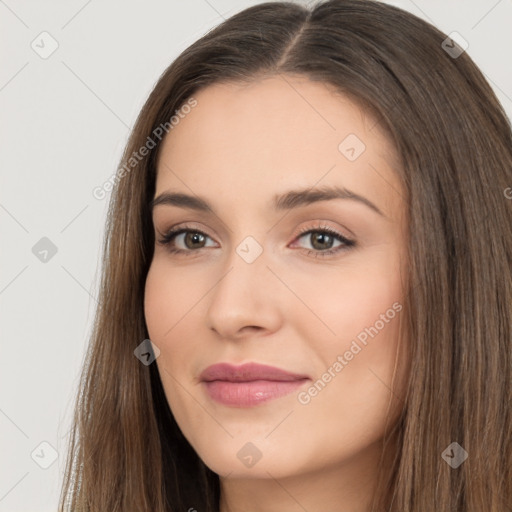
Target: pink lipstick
[249, 384]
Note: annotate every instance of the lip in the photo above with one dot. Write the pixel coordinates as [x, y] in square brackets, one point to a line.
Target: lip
[248, 384]
[247, 372]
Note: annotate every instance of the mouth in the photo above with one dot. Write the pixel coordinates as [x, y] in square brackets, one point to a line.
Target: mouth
[249, 384]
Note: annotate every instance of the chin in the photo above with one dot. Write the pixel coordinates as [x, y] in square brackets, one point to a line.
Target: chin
[251, 459]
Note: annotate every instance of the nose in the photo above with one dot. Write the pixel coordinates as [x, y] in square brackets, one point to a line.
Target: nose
[245, 300]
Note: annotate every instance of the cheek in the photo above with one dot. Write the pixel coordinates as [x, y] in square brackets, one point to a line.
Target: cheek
[352, 301]
[169, 296]
[154, 300]
[356, 341]
[172, 305]
[167, 299]
[358, 382]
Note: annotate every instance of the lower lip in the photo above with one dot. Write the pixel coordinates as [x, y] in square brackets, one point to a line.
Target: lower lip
[247, 394]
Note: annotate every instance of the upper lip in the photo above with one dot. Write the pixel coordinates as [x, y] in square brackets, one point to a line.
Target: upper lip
[247, 372]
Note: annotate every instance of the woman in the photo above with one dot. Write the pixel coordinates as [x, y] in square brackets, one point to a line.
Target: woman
[352, 124]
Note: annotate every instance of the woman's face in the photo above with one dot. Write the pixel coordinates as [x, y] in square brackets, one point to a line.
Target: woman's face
[250, 286]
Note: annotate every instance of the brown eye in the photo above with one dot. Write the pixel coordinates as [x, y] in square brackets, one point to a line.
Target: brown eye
[192, 240]
[321, 240]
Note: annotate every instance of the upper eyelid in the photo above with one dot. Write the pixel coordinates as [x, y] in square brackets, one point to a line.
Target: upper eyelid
[180, 228]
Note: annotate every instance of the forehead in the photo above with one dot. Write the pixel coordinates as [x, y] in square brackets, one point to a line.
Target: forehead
[276, 134]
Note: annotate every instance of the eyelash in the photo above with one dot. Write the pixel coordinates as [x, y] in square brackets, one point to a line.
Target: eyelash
[174, 232]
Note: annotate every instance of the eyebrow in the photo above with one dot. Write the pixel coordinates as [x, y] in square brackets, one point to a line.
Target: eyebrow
[287, 201]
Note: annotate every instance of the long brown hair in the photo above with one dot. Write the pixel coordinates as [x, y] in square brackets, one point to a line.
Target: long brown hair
[454, 141]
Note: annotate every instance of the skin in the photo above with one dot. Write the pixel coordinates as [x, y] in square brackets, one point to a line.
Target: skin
[241, 145]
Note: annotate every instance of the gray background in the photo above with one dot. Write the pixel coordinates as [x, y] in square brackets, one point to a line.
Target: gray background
[65, 120]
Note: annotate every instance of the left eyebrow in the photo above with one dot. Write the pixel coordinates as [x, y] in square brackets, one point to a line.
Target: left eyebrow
[287, 201]
[298, 198]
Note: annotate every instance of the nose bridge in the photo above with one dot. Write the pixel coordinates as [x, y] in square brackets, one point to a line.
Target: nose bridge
[246, 294]
[246, 272]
